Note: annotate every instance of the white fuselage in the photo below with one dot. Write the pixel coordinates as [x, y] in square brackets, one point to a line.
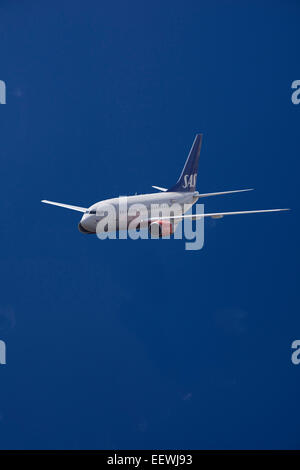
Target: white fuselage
[127, 208]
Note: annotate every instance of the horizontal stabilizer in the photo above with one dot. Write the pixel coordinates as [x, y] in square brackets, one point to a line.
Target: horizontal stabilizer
[225, 192]
[66, 206]
[159, 188]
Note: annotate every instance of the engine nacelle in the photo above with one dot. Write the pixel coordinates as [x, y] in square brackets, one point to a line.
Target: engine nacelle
[160, 228]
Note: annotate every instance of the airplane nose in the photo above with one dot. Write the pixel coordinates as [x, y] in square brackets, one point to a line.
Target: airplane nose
[82, 229]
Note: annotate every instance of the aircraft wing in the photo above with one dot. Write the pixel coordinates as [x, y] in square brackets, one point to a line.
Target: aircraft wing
[66, 206]
[213, 215]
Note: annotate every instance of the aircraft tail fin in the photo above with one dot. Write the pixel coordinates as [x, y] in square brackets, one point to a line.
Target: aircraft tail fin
[188, 178]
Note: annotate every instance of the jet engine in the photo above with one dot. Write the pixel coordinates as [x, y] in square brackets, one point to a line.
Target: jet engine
[160, 228]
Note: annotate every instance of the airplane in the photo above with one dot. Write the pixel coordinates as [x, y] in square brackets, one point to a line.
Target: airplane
[151, 207]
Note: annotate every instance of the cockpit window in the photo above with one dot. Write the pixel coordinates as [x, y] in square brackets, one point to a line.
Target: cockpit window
[92, 212]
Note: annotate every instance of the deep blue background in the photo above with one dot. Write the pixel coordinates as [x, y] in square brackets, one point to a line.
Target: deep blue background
[141, 344]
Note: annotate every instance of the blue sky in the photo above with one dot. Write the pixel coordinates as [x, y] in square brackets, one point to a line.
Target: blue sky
[141, 344]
